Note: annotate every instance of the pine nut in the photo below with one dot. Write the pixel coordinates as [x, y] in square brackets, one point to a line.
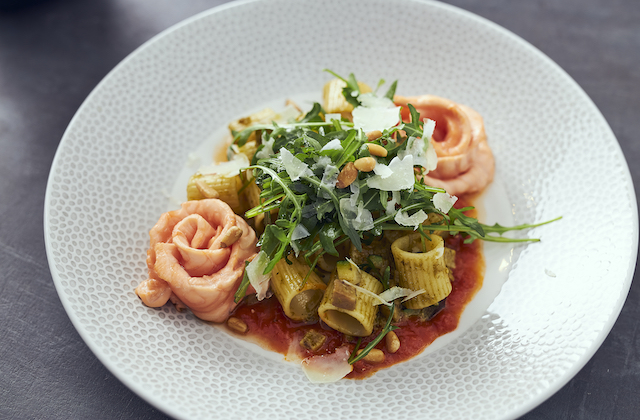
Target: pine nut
[392, 341]
[205, 190]
[231, 237]
[377, 150]
[365, 164]
[374, 135]
[374, 356]
[347, 175]
[237, 324]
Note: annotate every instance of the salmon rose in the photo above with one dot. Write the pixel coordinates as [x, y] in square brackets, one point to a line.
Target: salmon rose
[196, 258]
[465, 162]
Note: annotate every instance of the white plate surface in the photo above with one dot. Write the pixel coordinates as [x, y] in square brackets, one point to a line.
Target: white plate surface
[125, 152]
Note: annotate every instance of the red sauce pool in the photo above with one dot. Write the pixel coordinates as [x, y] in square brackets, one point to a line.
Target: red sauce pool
[269, 326]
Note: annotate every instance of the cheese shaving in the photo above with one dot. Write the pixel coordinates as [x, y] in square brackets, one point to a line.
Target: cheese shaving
[363, 219]
[371, 119]
[371, 100]
[397, 292]
[299, 232]
[227, 169]
[382, 170]
[328, 368]
[322, 162]
[415, 220]
[377, 298]
[332, 145]
[414, 294]
[428, 128]
[402, 178]
[288, 114]
[355, 193]
[329, 179]
[267, 149]
[391, 204]
[443, 201]
[295, 167]
[388, 296]
[258, 280]
[375, 113]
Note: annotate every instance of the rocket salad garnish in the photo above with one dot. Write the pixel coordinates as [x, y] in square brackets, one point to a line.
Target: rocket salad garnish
[297, 167]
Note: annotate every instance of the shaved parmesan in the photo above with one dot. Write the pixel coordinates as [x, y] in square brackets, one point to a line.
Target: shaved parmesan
[332, 145]
[414, 294]
[329, 179]
[423, 152]
[328, 368]
[397, 292]
[322, 162]
[431, 158]
[371, 119]
[355, 193]
[288, 114]
[382, 170]
[443, 201]
[228, 169]
[358, 217]
[391, 204]
[299, 232]
[415, 220]
[402, 178]
[371, 100]
[378, 300]
[267, 149]
[428, 128]
[258, 280]
[294, 166]
[388, 296]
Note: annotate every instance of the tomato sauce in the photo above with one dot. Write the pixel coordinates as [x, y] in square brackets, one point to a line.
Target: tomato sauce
[268, 325]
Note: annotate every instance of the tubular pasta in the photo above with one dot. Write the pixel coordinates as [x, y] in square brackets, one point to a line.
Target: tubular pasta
[417, 270]
[346, 309]
[299, 299]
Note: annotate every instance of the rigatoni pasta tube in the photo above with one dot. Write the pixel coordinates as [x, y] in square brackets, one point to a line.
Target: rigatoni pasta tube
[333, 100]
[346, 309]
[299, 299]
[422, 269]
[226, 187]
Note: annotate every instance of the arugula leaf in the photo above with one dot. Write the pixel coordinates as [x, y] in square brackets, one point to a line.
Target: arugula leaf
[244, 285]
[391, 91]
[387, 328]
[327, 235]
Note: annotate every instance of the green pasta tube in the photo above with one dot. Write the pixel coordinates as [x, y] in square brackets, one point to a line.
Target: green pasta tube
[418, 268]
[344, 307]
[299, 298]
[216, 186]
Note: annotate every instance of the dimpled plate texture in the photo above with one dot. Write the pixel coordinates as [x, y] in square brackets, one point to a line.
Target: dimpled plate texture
[555, 155]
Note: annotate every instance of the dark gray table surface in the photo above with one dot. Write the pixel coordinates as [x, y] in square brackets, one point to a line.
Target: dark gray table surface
[52, 54]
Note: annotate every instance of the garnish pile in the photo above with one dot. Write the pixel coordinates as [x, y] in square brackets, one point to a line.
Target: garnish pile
[301, 167]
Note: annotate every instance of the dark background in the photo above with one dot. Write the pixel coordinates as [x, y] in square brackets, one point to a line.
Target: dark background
[52, 54]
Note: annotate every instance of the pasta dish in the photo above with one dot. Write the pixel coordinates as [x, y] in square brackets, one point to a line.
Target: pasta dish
[343, 237]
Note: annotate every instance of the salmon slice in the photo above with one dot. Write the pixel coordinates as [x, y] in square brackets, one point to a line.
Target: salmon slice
[196, 258]
[465, 161]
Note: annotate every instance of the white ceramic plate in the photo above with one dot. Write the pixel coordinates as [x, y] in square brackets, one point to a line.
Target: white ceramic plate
[125, 151]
